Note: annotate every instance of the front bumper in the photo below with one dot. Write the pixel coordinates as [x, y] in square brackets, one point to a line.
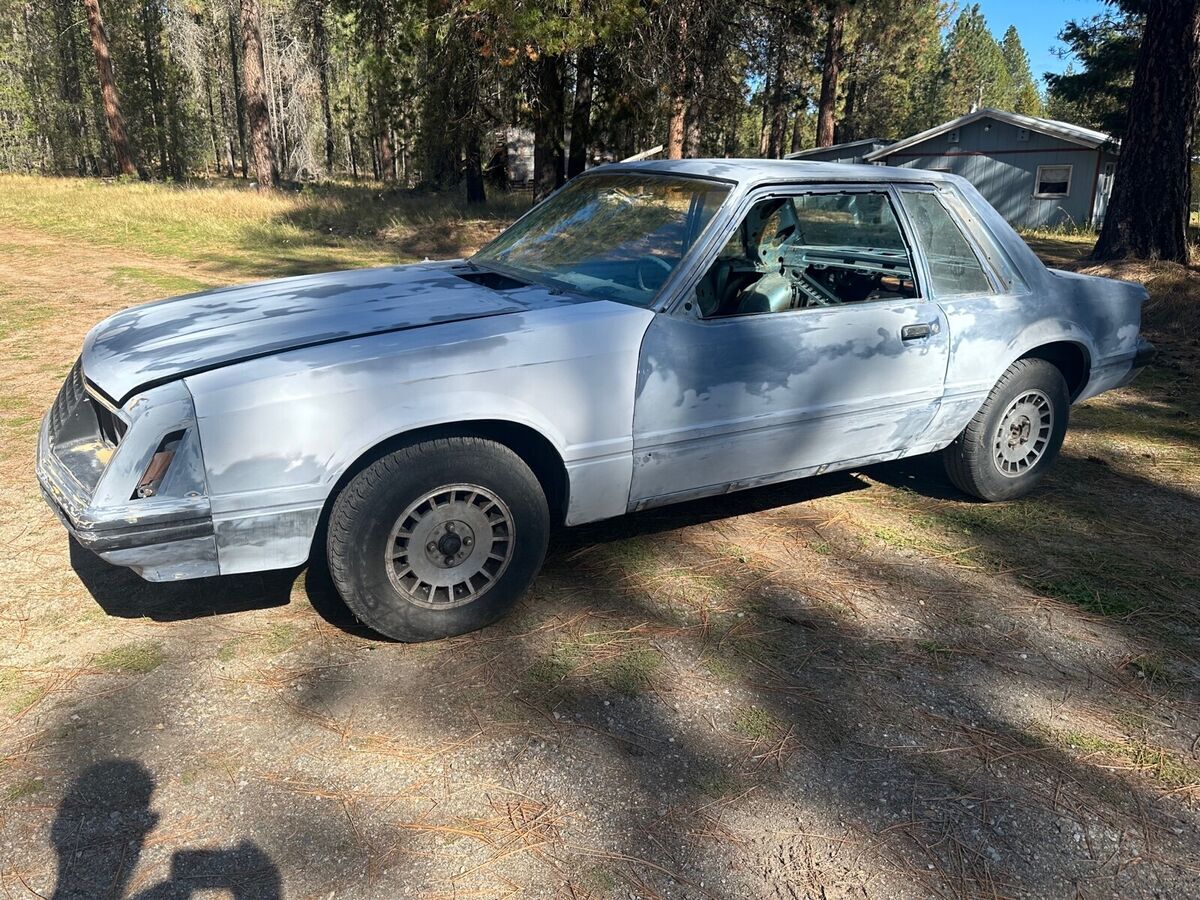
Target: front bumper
[88, 475]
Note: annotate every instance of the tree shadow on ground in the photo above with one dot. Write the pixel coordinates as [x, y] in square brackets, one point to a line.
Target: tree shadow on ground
[871, 746]
[842, 745]
[123, 594]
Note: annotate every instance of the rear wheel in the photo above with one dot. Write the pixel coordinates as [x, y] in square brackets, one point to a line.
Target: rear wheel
[437, 539]
[1016, 435]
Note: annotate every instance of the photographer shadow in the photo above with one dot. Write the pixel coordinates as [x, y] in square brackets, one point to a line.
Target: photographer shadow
[100, 830]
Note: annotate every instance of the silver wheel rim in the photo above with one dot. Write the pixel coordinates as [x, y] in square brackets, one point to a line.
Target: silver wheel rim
[450, 546]
[1023, 434]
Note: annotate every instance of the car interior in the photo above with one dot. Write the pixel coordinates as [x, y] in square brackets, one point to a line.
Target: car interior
[807, 251]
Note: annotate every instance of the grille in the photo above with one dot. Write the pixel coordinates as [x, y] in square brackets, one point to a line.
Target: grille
[69, 397]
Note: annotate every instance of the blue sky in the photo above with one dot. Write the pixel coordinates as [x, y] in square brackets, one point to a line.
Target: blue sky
[1039, 22]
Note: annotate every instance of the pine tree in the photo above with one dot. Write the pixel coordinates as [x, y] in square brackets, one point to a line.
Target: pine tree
[108, 89]
[262, 148]
[1096, 92]
[1025, 96]
[974, 73]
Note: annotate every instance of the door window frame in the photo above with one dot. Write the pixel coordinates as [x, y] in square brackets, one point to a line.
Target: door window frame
[683, 304]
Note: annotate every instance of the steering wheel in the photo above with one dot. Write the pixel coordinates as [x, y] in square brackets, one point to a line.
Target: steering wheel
[657, 260]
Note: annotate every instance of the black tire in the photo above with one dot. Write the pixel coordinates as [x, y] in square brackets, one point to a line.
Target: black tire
[971, 461]
[366, 512]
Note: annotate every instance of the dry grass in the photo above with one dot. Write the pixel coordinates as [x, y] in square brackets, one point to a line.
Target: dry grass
[857, 685]
[224, 227]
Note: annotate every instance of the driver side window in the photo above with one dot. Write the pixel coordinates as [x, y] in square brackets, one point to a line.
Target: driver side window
[806, 251]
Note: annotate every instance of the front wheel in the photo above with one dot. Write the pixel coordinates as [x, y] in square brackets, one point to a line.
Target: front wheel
[437, 539]
[1010, 443]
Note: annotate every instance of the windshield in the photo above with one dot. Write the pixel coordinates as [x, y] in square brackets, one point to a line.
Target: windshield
[614, 237]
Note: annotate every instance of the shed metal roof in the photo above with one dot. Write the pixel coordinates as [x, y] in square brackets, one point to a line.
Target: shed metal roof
[813, 151]
[1076, 134]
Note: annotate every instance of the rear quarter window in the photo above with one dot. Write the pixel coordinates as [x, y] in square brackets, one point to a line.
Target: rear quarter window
[994, 254]
[954, 268]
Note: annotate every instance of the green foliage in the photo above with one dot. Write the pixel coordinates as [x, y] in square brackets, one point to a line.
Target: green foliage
[892, 70]
[1097, 92]
[422, 92]
[974, 70]
[1025, 97]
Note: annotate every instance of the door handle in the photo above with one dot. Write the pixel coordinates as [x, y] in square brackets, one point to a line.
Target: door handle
[916, 332]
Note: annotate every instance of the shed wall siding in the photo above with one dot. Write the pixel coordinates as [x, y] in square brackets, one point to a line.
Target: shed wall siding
[1004, 170]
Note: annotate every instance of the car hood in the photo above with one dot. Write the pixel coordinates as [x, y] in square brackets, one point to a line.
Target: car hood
[159, 342]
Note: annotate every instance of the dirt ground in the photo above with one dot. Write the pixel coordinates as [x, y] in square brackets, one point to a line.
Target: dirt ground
[856, 686]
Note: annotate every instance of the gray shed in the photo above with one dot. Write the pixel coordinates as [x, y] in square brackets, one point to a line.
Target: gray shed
[1036, 172]
[849, 152]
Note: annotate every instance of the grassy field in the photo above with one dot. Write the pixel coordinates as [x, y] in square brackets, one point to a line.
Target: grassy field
[860, 685]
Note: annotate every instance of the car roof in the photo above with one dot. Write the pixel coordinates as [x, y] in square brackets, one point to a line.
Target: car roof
[750, 172]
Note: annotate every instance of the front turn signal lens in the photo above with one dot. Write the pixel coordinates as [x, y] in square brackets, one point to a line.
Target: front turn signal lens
[156, 471]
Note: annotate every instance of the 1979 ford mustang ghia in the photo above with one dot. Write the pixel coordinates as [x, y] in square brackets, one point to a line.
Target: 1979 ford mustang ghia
[651, 333]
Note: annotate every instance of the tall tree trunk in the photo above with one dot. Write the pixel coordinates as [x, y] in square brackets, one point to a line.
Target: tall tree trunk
[176, 138]
[219, 81]
[797, 129]
[212, 121]
[581, 111]
[779, 105]
[108, 90]
[387, 154]
[372, 130]
[829, 75]
[158, 114]
[351, 144]
[255, 88]
[321, 45]
[676, 122]
[764, 128]
[239, 103]
[844, 130]
[549, 158]
[694, 116]
[69, 88]
[675, 126]
[1148, 212]
[476, 192]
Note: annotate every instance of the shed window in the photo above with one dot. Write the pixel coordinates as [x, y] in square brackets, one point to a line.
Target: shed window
[1053, 181]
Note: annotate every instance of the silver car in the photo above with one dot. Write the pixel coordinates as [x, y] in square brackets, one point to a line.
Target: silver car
[652, 333]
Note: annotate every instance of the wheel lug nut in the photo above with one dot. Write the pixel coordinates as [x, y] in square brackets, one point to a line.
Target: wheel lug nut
[467, 542]
[431, 547]
[450, 527]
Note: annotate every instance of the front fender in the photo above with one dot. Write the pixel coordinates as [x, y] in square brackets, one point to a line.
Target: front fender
[279, 432]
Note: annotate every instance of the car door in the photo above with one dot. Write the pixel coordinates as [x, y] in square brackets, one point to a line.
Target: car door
[746, 389]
